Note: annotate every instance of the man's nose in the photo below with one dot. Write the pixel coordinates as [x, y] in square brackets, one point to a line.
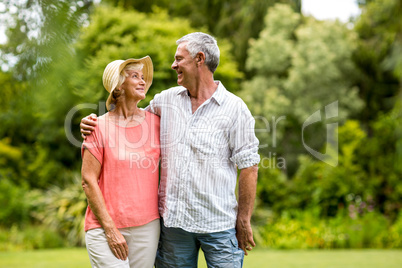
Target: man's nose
[174, 65]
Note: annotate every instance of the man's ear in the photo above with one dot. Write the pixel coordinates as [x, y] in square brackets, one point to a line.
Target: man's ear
[200, 57]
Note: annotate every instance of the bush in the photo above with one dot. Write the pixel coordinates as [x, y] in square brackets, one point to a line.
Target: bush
[63, 210]
[395, 234]
[29, 237]
[380, 157]
[14, 209]
[272, 186]
[42, 219]
[305, 230]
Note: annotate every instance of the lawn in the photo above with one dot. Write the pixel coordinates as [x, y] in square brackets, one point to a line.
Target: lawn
[76, 258]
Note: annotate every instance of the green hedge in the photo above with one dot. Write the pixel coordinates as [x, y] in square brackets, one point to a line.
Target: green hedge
[30, 237]
[304, 230]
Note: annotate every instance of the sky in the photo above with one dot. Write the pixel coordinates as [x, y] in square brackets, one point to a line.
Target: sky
[331, 9]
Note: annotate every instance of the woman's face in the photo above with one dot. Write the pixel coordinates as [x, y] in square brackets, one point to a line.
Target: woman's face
[134, 85]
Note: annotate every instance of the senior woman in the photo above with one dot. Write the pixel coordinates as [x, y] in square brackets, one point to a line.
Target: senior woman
[120, 172]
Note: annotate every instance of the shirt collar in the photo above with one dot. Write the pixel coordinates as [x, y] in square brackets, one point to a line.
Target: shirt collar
[218, 95]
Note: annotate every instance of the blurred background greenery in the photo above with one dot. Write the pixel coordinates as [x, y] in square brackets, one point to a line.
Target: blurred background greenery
[285, 65]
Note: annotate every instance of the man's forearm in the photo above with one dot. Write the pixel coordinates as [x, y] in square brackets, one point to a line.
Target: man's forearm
[247, 192]
[247, 189]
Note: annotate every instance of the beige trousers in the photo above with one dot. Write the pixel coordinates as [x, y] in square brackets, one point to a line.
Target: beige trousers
[142, 244]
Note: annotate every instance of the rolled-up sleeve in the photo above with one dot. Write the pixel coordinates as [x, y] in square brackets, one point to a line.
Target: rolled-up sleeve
[243, 142]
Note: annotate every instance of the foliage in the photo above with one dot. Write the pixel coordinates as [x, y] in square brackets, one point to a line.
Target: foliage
[366, 178]
[396, 233]
[114, 34]
[14, 208]
[294, 68]
[236, 21]
[16, 116]
[29, 237]
[378, 57]
[272, 188]
[59, 211]
[37, 89]
[304, 230]
[25, 160]
[319, 185]
[34, 29]
[301, 65]
[30, 165]
[34, 151]
[380, 157]
[62, 210]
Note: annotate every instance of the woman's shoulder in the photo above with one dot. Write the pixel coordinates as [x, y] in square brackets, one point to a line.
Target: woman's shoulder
[101, 122]
[152, 115]
[153, 119]
[103, 119]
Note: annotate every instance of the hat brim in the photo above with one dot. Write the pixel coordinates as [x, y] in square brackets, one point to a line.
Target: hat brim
[147, 71]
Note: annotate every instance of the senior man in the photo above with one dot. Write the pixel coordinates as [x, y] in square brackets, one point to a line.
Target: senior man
[206, 134]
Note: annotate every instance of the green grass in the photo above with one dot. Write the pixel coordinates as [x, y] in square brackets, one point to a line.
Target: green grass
[61, 258]
[325, 259]
[76, 258]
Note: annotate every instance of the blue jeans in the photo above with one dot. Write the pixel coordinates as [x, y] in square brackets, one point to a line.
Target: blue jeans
[179, 248]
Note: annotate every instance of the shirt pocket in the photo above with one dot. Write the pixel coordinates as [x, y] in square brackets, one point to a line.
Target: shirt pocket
[210, 143]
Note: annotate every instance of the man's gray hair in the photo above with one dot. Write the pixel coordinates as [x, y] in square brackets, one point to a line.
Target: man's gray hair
[202, 42]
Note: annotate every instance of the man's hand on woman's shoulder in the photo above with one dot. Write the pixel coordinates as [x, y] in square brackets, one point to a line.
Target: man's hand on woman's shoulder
[88, 125]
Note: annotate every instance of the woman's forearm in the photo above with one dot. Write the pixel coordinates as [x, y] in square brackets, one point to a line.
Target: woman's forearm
[90, 173]
[115, 239]
[91, 169]
[97, 204]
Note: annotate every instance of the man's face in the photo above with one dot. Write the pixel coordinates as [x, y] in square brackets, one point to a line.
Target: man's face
[185, 66]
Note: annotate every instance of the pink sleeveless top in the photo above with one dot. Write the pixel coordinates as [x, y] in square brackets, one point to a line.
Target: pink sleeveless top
[129, 176]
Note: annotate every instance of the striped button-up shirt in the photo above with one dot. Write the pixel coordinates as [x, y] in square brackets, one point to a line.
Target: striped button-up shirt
[201, 152]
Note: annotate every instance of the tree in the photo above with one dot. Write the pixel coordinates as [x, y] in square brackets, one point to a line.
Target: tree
[38, 93]
[114, 34]
[35, 28]
[378, 57]
[301, 65]
[236, 21]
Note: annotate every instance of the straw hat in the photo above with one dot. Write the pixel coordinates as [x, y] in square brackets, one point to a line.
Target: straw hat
[113, 70]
